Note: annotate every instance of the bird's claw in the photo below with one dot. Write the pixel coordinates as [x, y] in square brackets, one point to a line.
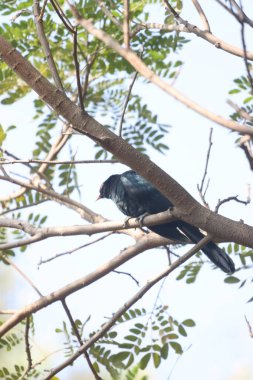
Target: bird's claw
[140, 219]
[126, 221]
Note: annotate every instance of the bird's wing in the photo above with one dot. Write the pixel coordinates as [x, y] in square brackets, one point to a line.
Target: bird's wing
[138, 188]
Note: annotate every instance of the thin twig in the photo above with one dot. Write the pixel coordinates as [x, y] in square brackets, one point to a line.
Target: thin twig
[79, 338]
[45, 45]
[4, 161]
[18, 208]
[202, 193]
[73, 250]
[84, 211]
[233, 198]
[127, 274]
[126, 30]
[27, 344]
[77, 67]
[62, 16]
[126, 103]
[202, 15]
[244, 114]
[172, 10]
[109, 14]
[8, 311]
[42, 10]
[240, 16]
[245, 58]
[27, 279]
[249, 326]
[246, 146]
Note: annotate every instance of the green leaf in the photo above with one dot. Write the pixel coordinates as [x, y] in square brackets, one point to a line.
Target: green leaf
[234, 91]
[248, 99]
[156, 359]
[189, 323]
[144, 361]
[112, 334]
[117, 358]
[165, 351]
[231, 280]
[2, 135]
[172, 336]
[132, 338]
[177, 347]
[182, 331]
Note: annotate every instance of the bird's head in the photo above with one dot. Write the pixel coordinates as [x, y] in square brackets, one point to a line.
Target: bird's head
[106, 189]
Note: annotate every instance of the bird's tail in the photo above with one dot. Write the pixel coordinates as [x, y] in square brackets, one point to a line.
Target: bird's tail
[213, 252]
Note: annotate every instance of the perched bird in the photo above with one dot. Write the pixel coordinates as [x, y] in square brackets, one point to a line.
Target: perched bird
[135, 197]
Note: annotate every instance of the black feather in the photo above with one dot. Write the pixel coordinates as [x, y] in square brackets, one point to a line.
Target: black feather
[135, 196]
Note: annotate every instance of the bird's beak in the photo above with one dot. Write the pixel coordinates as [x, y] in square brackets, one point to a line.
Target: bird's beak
[99, 197]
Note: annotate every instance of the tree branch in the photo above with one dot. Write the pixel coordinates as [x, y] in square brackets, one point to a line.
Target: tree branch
[42, 233]
[202, 15]
[45, 45]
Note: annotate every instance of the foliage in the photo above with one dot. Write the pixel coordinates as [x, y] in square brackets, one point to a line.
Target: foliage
[150, 338]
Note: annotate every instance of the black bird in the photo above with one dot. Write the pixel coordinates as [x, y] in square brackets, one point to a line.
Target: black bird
[135, 197]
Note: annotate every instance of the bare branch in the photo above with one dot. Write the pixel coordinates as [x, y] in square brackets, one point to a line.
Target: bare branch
[77, 67]
[27, 345]
[5, 161]
[245, 58]
[73, 250]
[245, 144]
[85, 212]
[62, 16]
[202, 15]
[42, 233]
[127, 274]
[43, 8]
[126, 29]
[240, 15]
[23, 274]
[79, 338]
[45, 45]
[109, 14]
[126, 103]
[202, 193]
[8, 311]
[249, 327]
[240, 111]
[233, 198]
